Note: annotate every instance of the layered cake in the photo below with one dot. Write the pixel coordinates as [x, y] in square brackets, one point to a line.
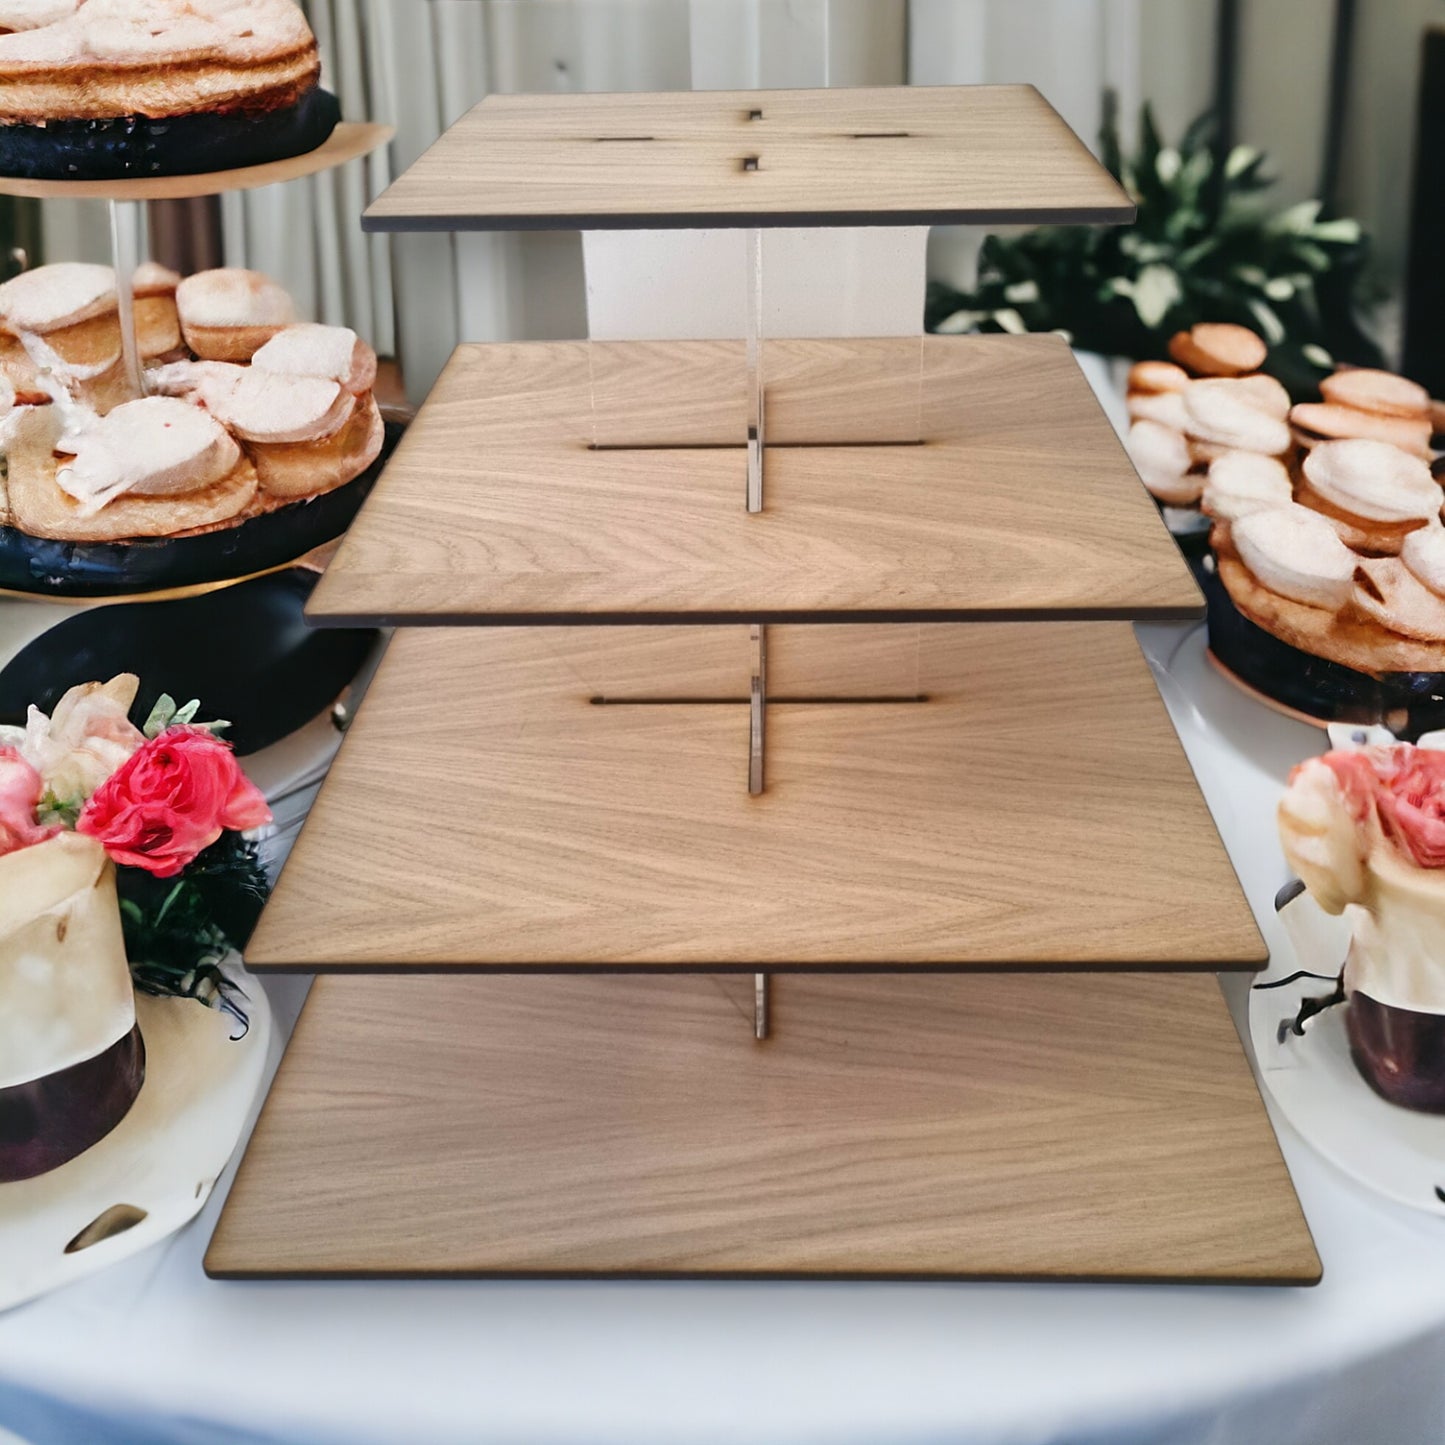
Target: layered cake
[249, 410]
[1365, 831]
[105, 89]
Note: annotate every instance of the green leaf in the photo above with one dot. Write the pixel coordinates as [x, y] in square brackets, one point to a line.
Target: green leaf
[1156, 290]
[1346, 230]
[161, 716]
[187, 713]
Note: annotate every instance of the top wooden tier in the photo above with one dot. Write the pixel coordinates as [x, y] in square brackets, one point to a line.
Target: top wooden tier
[900, 156]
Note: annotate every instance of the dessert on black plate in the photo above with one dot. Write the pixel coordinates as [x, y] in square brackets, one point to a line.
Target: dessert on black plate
[1315, 530]
[114, 89]
[242, 456]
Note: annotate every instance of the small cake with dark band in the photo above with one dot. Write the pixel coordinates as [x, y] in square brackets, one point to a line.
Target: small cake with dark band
[71, 1057]
[119, 89]
[1364, 828]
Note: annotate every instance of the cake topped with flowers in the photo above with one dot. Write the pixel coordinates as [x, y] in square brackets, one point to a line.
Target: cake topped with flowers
[106, 827]
[1364, 828]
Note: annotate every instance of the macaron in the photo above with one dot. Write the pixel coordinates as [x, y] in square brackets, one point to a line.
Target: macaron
[229, 313]
[1380, 392]
[1157, 376]
[1315, 422]
[1218, 349]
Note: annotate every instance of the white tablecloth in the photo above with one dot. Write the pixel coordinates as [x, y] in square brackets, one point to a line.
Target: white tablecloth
[153, 1352]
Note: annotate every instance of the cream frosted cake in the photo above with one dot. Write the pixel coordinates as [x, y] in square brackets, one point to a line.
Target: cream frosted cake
[103, 89]
[1365, 831]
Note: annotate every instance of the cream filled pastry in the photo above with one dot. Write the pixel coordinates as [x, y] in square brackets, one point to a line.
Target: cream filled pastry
[213, 443]
[1238, 414]
[1386, 590]
[1294, 552]
[101, 89]
[157, 446]
[1243, 482]
[1423, 552]
[1373, 482]
[1155, 393]
[1161, 457]
[229, 313]
[334, 353]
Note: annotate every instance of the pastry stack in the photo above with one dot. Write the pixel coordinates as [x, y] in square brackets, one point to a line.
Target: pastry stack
[1326, 565]
[249, 410]
[1211, 400]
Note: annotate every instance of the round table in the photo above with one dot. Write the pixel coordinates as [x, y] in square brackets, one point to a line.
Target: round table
[154, 1352]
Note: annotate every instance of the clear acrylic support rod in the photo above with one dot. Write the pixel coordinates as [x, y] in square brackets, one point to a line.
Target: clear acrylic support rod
[754, 242]
[126, 223]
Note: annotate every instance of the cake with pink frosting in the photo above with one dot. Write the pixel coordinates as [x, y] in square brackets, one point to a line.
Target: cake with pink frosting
[1365, 831]
[109, 89]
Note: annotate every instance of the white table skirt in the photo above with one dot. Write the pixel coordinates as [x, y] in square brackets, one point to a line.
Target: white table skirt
[154, 1352]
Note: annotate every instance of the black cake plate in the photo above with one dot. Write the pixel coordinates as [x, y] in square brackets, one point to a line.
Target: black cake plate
[47, 568]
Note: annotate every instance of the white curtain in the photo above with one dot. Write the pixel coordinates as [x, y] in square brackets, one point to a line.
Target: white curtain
[419, 64]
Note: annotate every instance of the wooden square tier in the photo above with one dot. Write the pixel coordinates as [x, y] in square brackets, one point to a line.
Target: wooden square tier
[951, 478]
[1012, 796]
[996, 1127]
[900, 156]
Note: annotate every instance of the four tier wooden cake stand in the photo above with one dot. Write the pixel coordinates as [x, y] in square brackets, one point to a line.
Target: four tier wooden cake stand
[784, 865]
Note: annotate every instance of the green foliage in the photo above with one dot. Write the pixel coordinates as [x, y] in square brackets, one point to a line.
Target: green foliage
[179, 930]
[1204, 247]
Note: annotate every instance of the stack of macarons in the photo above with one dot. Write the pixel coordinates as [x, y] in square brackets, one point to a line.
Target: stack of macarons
[1210, 400]
[248, 410]
[1363, 402]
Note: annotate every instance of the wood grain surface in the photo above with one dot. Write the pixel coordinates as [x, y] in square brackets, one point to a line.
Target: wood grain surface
[486, 812]
[348, 142]
[1103, 1128]
[906, 155]
[557, 482]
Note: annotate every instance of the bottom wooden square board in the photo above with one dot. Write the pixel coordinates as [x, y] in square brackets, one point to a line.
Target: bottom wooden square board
[1057, 1127]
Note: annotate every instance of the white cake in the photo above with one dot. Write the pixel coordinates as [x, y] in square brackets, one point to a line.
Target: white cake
[64, 981]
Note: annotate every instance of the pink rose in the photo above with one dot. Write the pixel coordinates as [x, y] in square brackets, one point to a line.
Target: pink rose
[171, 800]
[20, 789]
[1412, 806]
[1359, 772]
